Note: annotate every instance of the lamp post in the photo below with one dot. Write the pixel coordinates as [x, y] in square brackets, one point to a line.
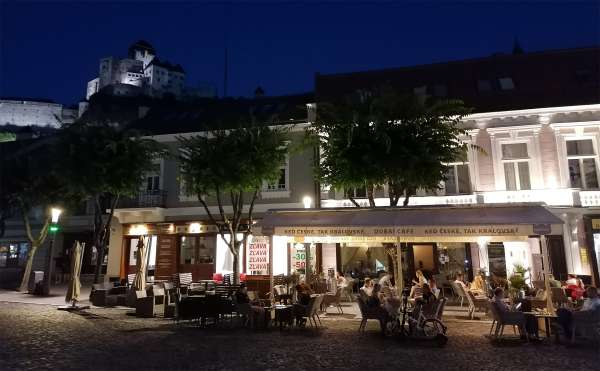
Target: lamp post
[52, 229]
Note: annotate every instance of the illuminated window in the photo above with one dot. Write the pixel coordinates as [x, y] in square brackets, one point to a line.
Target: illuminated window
[283, 181]
[581, 157]
[515, 160]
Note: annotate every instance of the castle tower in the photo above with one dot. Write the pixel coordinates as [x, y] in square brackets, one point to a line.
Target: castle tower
[141, 50]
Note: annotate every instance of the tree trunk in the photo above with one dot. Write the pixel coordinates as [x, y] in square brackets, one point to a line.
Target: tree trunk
[370, 195]
[99, 261]
[236, 269]
[406, 198]
[28, 266]
[236, 255]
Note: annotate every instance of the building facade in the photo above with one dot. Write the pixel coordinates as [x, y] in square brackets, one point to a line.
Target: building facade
[545, 150]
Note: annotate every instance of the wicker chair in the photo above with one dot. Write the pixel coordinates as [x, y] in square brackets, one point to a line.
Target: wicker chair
[313, 314]
[145, 306]
[330, 299]
[367, 313]
[586, 324]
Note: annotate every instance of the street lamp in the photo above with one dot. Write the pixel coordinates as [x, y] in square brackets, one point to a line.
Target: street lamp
[307, 201]
[53, 228]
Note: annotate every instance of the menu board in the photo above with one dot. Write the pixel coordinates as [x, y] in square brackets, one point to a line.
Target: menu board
[257, 256]
[166, 258]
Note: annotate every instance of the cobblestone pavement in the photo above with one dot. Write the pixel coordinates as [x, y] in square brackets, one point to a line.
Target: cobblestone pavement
[41, 337]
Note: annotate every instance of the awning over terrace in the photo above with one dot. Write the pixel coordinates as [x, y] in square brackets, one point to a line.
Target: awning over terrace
[442, 223]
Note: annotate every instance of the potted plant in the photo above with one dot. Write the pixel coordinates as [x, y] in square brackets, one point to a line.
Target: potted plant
[518, 285]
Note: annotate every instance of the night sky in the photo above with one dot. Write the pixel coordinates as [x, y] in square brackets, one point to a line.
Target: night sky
[50, 50]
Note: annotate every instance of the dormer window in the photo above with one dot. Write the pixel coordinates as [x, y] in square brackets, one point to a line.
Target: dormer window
[506, 83]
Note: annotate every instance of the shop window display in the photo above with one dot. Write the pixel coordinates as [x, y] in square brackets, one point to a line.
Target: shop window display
[197, 249]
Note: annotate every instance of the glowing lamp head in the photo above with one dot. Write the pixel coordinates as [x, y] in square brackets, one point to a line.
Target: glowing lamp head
[138, 230]
[55, 214]
[307, 201]
[194, 228]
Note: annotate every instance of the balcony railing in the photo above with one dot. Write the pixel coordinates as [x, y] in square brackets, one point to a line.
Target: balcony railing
[154, 198]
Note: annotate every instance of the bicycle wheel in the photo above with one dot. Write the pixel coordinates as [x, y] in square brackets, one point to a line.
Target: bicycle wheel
[432, 327]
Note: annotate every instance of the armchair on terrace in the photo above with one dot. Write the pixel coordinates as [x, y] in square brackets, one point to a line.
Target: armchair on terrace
[330, 299]
[503, 318]
[145, 306]
[367, 313]
[586, 324]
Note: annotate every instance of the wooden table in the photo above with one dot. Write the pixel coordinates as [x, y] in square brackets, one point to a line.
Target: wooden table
[284, 315]
[546, 317]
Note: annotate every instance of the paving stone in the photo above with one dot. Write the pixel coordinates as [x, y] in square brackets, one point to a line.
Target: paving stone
[36, 337]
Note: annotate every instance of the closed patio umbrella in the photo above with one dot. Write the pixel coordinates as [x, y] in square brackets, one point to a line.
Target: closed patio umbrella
[139, 283]
[74, 288]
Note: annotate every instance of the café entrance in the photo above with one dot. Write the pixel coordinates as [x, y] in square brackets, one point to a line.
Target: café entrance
[438, 240]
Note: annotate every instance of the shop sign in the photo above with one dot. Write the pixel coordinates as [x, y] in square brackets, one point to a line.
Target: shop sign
[542, 229]
[409, 231]
[595, 223]
[193, 228]
[257, 256]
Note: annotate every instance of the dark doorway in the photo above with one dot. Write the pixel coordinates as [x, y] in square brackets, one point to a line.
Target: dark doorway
[556, 252]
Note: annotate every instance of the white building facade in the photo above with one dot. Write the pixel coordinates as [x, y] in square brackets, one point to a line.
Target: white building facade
[547, 155]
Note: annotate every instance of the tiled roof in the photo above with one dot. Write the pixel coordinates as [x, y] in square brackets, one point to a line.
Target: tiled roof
[165, 64]
[210, 113]
[540, 79]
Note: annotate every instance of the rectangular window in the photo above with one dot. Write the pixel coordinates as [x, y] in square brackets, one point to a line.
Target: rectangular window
[581, 159]
[440, 90]
[506, 83]
[457, 180]
[197, 249]
[514, 151]
[515, 160]
[281, 183]
[153, 183]
[484, 85]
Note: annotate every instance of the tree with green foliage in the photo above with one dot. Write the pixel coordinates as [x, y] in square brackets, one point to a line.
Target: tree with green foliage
[231, 164]
[102, 162]
[29, 186]
[384, 138]
[372, 139]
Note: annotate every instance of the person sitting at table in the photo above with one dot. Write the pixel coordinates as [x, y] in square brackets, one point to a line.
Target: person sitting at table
[531, 323]
[257, 313]
[433, 287]
[303, 292]
[390, 300]
[565, 315]
[553, 282]
[367, 289]
[420, 278]
[340, 280]
[574, 287]
[572, 280]
[385, 280]
[301, 309]
[460, 280]
[477, 287]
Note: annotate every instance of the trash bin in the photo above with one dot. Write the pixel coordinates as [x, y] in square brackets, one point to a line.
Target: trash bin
[36, 280]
